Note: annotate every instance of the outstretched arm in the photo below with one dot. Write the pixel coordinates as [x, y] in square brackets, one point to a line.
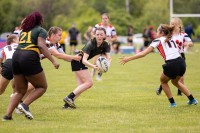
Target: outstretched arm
[138, 55]
[64, 56]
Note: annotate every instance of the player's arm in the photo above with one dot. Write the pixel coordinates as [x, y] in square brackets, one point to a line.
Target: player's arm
[114, 38]
[87, 63]
[63, 56]
[188, 44]
[43, 48]
[138, 55]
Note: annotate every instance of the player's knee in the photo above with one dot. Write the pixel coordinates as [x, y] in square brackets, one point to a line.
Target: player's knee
[89, 84]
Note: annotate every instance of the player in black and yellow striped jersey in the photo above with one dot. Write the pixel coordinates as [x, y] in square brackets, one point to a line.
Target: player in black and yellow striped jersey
[27, 66]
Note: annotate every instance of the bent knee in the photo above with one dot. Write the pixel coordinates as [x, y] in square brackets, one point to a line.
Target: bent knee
[89, 84]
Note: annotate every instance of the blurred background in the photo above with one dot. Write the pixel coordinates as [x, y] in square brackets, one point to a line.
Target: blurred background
[138, 14]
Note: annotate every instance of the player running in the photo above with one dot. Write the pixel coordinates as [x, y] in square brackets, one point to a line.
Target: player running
[182, 40]
[111, 36]
[6, 67]
[97, 46]
[174, 67]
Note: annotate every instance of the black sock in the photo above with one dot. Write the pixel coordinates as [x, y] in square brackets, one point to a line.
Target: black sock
[190, 97]
[179, 91]
[99, 73]
[71, 95]
[160, 88]
[171, 100]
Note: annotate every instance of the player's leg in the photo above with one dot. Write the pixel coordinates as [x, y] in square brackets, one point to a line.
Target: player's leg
[3, 84]
[176, 82]
[20, 90]
[164, 82]
[40, 84]
[85, 81]
[182, 81]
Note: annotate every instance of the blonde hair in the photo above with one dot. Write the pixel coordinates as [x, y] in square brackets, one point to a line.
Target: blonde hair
[54, 30]
[179, 22]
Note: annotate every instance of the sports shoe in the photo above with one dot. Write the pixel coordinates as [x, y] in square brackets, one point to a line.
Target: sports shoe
[194, 101]
[66, 106]
[17, 111]
[70, 102]
[98, 78]
[172, 105]
[25, 110]
[158, 91]
[6, 118]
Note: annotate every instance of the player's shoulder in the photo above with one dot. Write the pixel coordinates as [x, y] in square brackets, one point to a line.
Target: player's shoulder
[158, 39]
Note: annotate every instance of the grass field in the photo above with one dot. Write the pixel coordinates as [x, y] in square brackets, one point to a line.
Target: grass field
[124, 102]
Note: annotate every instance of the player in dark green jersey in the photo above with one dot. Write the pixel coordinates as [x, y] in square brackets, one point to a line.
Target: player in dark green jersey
[27, 66]
[97, 46]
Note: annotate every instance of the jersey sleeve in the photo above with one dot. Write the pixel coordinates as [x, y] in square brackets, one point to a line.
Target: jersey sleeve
[107, 47]
[43, 33]
[113, 32]
[87, 48]
[187, 38]
[155, 43]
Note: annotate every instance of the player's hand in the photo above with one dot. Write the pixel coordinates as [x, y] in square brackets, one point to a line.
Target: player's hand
[124, 60]
[56, 65]
[96, 68]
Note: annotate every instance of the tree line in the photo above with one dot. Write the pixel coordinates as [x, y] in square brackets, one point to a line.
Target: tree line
[62, 13]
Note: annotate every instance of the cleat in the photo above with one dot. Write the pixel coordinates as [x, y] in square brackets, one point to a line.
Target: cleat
[158, 91]
[17, 111]
[194, 101]
[25, 110]
[172, 105]
[66, 106]
[98, 78]
[7, 118]
[70, 102]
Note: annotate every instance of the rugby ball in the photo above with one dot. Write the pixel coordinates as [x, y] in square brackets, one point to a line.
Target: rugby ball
[103, 64]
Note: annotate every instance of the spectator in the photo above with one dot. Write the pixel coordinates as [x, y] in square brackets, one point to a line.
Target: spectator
[74, 35]
[189, 30]
[87, 34]
[62, 41]
[130, 36]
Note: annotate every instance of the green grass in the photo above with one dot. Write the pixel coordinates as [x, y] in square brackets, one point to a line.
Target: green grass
[124, 102]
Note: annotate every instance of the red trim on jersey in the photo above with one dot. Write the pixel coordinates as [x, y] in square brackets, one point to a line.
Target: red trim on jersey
[3, 53]
[161, 50]
[100, 24]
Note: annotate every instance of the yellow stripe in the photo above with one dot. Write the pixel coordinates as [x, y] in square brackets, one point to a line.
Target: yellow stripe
[31, 47]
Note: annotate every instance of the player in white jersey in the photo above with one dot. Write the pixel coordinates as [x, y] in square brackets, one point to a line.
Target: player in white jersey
[6, 67]
[182, 40]
[174, 67]
[111, 36]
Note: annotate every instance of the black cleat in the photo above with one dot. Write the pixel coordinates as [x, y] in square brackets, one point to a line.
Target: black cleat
[70, 102]
[7, 118]
[25, 110]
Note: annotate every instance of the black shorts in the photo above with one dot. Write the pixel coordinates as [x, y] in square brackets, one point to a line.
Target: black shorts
[7, 69]
[183, 55]
[174, 68]
[73, 43]
[26, 62]
[77, 65]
